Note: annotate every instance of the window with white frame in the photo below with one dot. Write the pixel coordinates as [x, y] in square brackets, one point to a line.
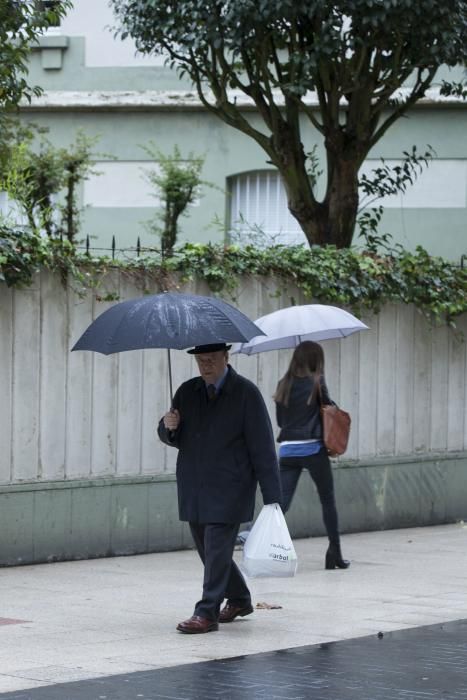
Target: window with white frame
[258, 210]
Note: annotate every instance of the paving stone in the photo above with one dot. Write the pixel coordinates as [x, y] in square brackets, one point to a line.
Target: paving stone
[423, 663]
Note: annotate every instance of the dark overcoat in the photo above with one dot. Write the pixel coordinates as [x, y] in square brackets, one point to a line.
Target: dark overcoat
[225, 447]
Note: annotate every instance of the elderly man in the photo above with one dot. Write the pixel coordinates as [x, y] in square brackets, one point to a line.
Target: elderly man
[223, 433]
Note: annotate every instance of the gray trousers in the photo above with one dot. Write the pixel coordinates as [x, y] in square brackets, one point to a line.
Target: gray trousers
[215, 543]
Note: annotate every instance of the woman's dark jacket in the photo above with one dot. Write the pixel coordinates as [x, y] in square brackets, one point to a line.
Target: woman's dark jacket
[300, 420]
[226, 446]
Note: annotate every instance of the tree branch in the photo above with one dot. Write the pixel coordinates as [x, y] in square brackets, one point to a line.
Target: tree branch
[417, 93]
[228, 111]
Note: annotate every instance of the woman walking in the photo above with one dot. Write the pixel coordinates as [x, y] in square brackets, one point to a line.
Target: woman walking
[298, 397]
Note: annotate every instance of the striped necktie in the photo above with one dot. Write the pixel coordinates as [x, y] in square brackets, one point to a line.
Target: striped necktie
[211, 389]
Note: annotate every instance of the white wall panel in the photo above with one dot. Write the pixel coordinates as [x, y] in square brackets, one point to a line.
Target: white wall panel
[156, 402]
[79, 390]
[386, 398]
[247, 301]
[456, 401]
[421, 406]
[349, 382]
[26, 383]
[130, 399]
[54, 356]
[6, 378]
[269, 371]
[75, 415]
[439, 388]
[104, 408]
[404, 380]
[332, 369]
[367, 388]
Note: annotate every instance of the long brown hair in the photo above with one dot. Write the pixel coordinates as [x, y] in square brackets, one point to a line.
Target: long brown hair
[307, 361]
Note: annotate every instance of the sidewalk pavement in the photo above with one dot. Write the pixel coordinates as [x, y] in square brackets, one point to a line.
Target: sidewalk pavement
[91, 619]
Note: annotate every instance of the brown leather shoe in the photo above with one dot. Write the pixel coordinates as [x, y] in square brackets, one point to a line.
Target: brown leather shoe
[230, 612]
[197, 625]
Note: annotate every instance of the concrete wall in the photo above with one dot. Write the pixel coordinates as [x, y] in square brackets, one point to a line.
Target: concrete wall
[82, 472]
[82, 519]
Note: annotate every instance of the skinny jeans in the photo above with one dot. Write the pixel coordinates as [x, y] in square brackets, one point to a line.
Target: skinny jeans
[319, 467]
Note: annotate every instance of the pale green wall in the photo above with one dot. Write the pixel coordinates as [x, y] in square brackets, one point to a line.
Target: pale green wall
[227, 152]
[75, 75]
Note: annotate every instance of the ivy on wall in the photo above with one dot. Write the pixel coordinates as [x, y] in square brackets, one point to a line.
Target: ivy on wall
[346, 277]
[342, 277]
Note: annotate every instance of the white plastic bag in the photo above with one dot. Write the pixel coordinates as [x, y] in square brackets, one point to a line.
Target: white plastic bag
[268, 550]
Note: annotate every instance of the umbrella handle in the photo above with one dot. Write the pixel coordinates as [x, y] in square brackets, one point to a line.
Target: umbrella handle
[170, 378]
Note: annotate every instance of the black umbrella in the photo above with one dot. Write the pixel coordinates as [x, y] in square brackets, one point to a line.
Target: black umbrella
[167, 320]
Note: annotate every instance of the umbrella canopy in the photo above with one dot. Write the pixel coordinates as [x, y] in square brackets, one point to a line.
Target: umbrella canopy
[288, 327]
[167, 320]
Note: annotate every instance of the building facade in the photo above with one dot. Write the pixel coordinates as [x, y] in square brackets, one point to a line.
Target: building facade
[97, 83]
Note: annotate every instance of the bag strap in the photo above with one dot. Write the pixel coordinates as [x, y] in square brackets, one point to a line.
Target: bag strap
[318, 393]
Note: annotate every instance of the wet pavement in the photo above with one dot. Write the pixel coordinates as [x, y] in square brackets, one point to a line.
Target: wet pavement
[392, 627]
[423, 663]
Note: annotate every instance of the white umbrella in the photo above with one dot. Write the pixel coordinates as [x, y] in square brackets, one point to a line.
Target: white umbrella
[286, 328]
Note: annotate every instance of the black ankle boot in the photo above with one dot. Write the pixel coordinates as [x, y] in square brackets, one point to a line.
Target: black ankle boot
[334, 558]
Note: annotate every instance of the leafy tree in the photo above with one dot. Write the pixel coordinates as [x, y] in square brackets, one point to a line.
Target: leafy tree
[31, 181]
[21, 23]
[386, 181]
[77, 163]
[354, 55]
[42, 182]
[177, 182]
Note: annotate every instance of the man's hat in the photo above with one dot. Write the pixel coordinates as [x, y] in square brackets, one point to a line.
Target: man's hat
[214, 347]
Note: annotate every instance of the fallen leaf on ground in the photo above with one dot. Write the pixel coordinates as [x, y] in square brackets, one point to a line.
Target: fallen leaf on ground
[268, 606]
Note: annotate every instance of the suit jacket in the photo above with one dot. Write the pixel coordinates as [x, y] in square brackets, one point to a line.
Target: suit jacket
[225, 447]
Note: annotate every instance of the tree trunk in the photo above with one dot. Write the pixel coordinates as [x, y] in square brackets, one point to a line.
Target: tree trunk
[289, 157]
[341, 200]
[70, 205]
[332, 221]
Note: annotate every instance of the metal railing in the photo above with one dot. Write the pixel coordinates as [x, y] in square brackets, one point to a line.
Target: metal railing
[114, 250]
[138, 249]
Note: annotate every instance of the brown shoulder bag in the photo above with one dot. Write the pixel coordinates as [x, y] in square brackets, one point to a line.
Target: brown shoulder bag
[336, 427]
